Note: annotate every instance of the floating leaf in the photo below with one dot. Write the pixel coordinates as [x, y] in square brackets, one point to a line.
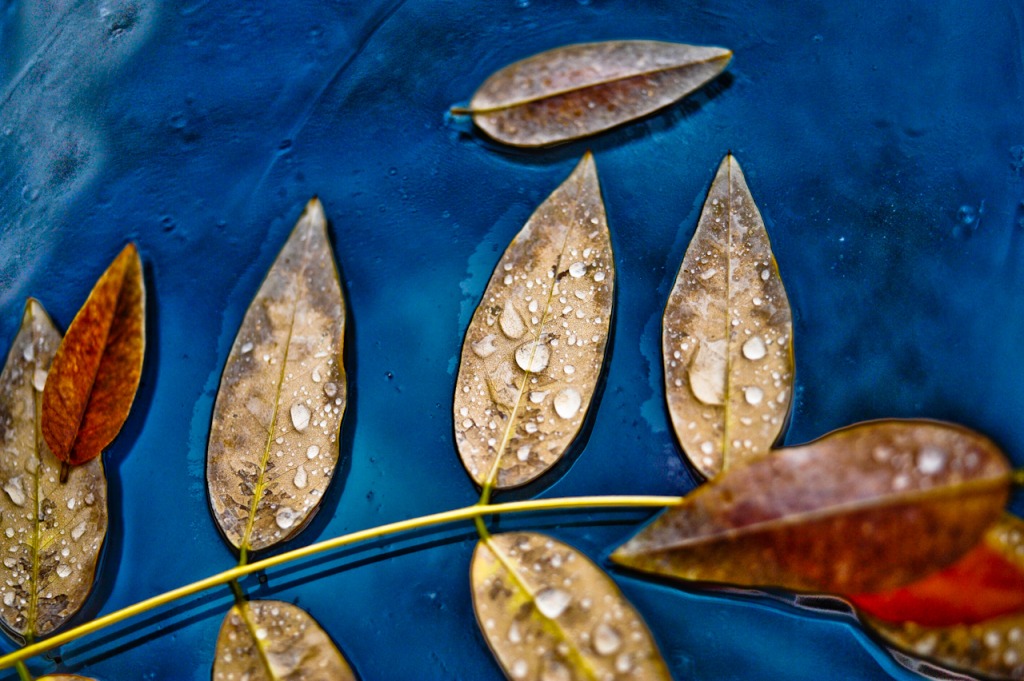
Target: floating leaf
[578, 90]
[534, 348]
[96, 370]
[274, 440]
[565, 619]
[272, 641]
[867, 508]
[991, 639]
[726, 334]
[50, 533]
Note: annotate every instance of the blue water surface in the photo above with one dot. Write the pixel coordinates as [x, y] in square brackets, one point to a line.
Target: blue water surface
[884, 143]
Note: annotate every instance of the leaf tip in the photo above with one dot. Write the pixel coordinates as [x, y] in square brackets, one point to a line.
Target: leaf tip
[314, 211]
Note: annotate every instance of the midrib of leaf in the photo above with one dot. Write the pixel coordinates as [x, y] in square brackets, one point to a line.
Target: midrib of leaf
[728, 329]
[492, 475]
[261, 478]
[967, 489]
[568, 91]
[37, 539]
[579, 661]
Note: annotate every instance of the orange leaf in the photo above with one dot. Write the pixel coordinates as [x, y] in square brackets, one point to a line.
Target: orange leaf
[986, 583]
[96, 370]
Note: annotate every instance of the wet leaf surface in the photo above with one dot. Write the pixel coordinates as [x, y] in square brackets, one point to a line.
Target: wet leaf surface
[96, 371]
[275, 641]
[866, 508]
[535, 346]
[578, 90]
[50, 533]
[274, 439]
[727, 334]
[991, 641]
[549, 613]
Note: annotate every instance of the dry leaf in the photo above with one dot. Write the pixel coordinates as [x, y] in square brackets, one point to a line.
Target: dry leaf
[96, 370]
[726, 334]
[549, 613]
[866, 508]
[274, 440]
[50, 533]
[579, 90]
[535, 346]
[274, 641]
[992, 645]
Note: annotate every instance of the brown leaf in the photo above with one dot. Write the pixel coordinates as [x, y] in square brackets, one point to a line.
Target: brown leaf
[993, 647]
[96, 370]
[579, 90]
[866, 508]
[273, 443]
[51, 533]
[548, 612]
[535, 345]
[274, 641]
[727, 334]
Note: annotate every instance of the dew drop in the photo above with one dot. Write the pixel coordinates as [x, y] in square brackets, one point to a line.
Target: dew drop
[63, 571]
[300, 416]
[599, 275]
[79, 530]
[29, 353]
[624, 663]
[552, 602]
[316, 375]
[511, 323]
[484, 347]
[71, 503]
[286, 517]
[555, 671]
[261, 633]
[606, 640]
[39, 379]
[533, 356]
[330, 389]
[301, 479]
[523, 453]
[577, 270]
[707, 447]
[520, 669]
[312, 451]
[537, 396]
[567, 403]
[514, 635]
[15, 491]
[707, 372]
[930, 460]
[247, 348]
[569, 369]
[754, 349]
[10, 562]
[753, 395]
[9, 598]
[9, 532]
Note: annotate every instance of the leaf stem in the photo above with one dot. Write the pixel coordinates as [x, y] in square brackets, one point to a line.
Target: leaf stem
[23, 673]
[1017, 477]
[465, 513]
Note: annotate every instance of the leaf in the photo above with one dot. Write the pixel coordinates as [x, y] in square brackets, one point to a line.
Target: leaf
[273, 640]
[50, 533]
[579, 90]
[549, 613]
[991, 639]
[986, 583]
[97, 367]
[726, 334]
[866, 508]
[274, 439]
[535, 345]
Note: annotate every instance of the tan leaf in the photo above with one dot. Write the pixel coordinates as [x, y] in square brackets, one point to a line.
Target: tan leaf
[994, 647]
[727, 334]
[96, 371]
[866, 508]
[578, 90]
[535, 345]
[274, 439]
[50, 533]
[275, 641]
[563, 620]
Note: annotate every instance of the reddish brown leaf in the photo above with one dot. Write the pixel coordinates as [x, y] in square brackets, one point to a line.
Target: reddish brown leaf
[96, 371]
[867, 508]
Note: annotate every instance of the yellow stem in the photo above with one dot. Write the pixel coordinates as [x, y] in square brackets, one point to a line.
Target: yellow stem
[1018, 477]
[23, 673]
[240, 571]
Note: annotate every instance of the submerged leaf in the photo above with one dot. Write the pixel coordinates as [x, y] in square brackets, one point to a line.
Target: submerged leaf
[578, 90]
[548, 612]
[96, 370]
[535, 346]
[274, 439]
[726, 334]
[51, 533]
[867, 508]
[273, 641]
[990, 639]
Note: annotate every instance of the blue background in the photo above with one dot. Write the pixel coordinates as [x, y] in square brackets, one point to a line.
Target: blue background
[882, 142]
